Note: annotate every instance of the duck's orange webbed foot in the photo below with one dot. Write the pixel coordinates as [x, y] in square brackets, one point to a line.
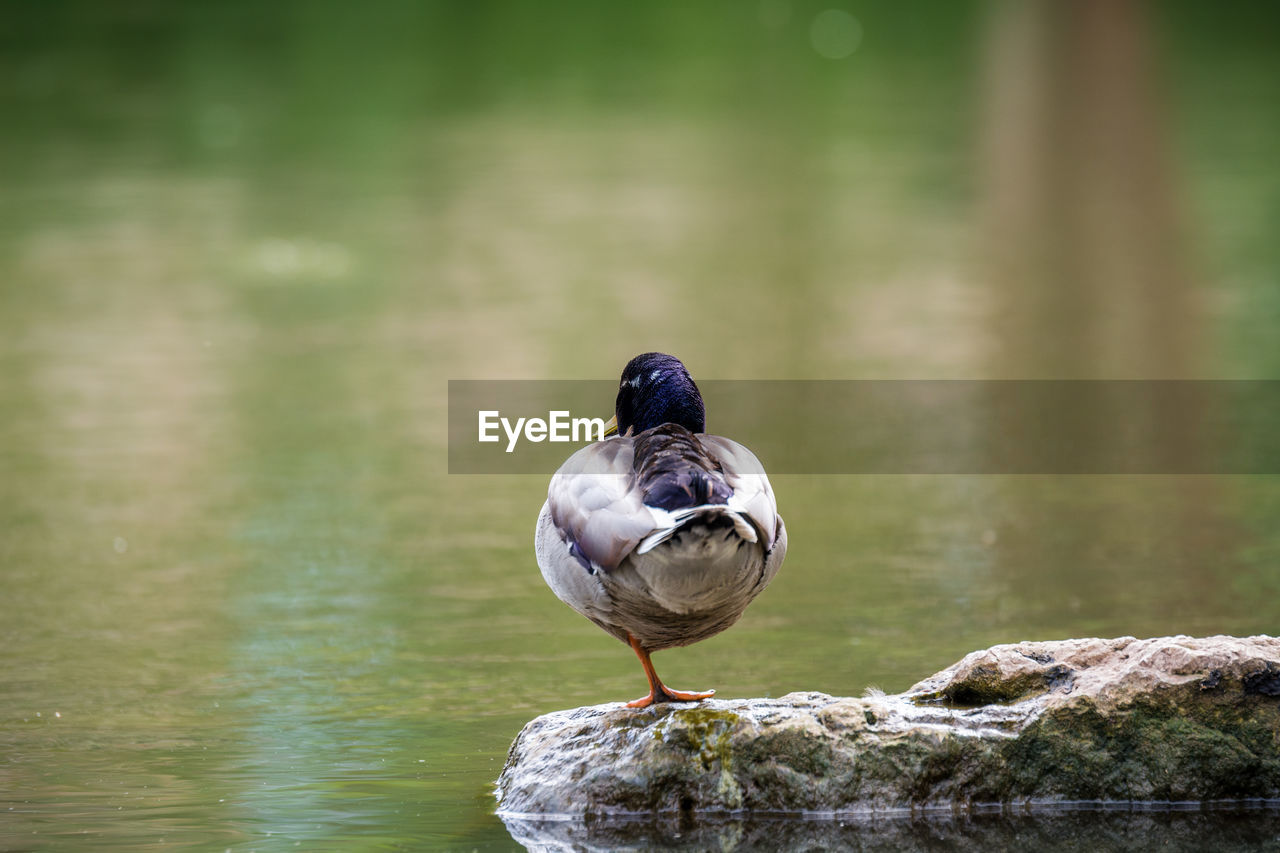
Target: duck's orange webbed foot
[659, 692]
[666, 694]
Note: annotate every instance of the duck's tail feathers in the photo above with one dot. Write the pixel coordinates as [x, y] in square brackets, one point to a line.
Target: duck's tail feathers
[671, 521]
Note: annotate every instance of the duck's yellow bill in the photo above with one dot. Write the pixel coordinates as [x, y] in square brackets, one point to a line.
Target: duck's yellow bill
[611, 428]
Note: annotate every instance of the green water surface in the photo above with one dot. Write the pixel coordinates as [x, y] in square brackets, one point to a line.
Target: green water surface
[244, 246]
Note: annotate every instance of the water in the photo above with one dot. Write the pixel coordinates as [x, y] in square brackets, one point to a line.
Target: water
[243, 249]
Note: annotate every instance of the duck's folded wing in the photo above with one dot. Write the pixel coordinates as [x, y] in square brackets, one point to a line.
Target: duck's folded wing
[752, 493]
[593, 507]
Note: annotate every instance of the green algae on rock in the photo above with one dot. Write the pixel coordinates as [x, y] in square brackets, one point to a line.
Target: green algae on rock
[1164, 719]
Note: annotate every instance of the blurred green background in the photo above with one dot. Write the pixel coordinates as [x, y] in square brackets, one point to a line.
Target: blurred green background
[243, 247]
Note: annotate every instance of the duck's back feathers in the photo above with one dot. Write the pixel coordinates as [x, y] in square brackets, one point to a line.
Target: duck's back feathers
[672, 470]
[666, 536]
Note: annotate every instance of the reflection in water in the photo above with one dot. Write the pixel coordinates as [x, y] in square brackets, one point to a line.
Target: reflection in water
[1048, 830]
[1086, 254]
[1082, 231]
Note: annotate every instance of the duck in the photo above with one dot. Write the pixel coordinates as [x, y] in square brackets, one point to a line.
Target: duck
[660, 533]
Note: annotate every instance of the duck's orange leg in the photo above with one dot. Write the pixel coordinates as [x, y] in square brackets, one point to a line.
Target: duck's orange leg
[659, 692]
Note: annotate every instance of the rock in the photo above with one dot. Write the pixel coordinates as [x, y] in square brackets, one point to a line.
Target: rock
[1167, 719]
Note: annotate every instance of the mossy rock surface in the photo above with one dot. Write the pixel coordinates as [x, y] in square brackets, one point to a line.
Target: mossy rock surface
[1164, 719]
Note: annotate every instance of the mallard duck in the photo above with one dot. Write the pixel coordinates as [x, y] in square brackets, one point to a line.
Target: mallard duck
[662, 534]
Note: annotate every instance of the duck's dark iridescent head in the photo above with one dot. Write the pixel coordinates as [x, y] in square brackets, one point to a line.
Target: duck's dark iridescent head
[657, 389]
